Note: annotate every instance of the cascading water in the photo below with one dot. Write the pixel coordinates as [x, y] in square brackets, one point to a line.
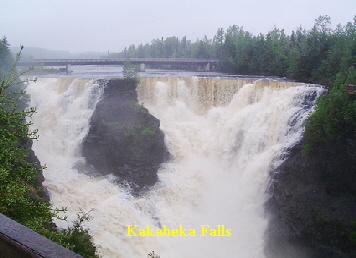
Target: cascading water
[224, 136]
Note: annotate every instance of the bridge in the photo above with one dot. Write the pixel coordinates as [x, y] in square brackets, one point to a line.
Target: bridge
[199, 63]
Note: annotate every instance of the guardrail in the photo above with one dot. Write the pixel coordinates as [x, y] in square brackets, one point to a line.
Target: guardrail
[18, 241]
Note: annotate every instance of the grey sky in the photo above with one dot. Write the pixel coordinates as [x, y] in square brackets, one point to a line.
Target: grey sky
[102, 25]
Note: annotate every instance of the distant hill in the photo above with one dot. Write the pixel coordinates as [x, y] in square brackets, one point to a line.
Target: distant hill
[41, 53]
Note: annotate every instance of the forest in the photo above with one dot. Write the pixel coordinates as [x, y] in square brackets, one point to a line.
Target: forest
[314, 55]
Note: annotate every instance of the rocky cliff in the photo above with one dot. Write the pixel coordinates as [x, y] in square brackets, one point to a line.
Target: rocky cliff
[311, 215]
[124, 139]
[32, 158]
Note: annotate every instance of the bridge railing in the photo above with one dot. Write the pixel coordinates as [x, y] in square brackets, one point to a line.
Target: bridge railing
[59, 62]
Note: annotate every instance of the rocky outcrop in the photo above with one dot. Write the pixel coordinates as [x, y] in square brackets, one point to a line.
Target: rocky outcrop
[32, 158]
[310, 215]
[124, 139]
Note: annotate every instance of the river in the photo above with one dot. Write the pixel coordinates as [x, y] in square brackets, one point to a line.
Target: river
[225, 135]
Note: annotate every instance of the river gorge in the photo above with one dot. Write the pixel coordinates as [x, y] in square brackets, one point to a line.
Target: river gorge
[221, 141]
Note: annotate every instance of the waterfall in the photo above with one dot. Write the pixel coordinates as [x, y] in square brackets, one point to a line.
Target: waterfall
[225, 137]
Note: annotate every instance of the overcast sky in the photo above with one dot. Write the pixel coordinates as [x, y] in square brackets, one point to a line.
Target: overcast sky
[102, 25]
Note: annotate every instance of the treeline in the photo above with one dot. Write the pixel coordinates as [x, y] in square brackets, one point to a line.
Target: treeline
[314, 55]
[22, 197]
[320, 55]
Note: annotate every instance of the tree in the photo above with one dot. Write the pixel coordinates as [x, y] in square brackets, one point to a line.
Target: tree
[132, 52]
[130, 71]
[276, 46]
[141, 51]
[201, 48]
[228, 54]
[20, 190]
[5, 58]
[330, 133]
[298, 56]
[218, 42]
[244, 51]
[314, 56]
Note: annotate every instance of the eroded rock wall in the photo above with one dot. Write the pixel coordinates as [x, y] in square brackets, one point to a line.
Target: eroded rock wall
[124, 139]
[307, 219]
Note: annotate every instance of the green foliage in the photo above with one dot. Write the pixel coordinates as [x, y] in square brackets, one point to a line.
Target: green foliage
[202, 48]
[346, 76]
[130, 71]
[330, 118]
[5, 58]
[315, 56]
[165, 48]
[75, 238]
[330, 134]
[19, 189]
[138, 108]
[78, 237]
[149, 130]
[335, 116]
[138, 130]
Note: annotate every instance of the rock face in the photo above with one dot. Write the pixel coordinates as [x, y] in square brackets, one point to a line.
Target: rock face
[310, 215]
[124, 139]
[32, 158]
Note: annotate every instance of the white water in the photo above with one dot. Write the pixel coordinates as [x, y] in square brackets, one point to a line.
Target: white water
[224, 136]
